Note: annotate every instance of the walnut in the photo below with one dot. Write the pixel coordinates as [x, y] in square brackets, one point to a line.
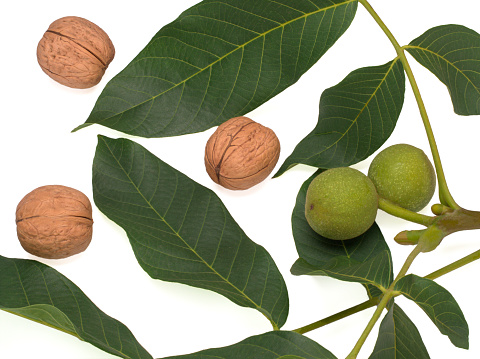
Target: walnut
[54, 222]
[75, 52]
[241, 153]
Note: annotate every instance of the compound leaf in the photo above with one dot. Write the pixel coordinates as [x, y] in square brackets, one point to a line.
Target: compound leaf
[271, 345]
[452, 53]
[217, 60]
[181, 232]
[439, 305]
[38, 292]
[398, 338]
[356, 117]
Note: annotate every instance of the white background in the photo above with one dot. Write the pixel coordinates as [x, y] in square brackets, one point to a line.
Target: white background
[37, 148]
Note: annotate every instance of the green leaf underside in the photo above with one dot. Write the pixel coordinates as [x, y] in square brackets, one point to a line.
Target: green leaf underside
[38, 292]
[375, 271]
[181, 232]
[271, 345]
[217, 60]
[365, 259]
[398, 338]
[439, 305]
[372, 291]
[355, 118]
[452, 53]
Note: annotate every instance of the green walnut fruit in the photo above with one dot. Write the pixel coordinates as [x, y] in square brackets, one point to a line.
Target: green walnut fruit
[404, 175]
[341, 203]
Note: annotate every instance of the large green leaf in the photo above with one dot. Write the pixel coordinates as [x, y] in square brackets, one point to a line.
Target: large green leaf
[452, 53]
[271, 345]
[38, 292]
[356, 117]
[219, 59]
[398, 338]
[439, 305]
[339, 259]
[180, 231]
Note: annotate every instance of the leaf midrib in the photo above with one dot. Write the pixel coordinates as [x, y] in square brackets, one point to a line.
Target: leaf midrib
[62, 329]
[355, 120]
[264, 34]
[12, 311]
[424, 304]
[180, 237]
[444, 59]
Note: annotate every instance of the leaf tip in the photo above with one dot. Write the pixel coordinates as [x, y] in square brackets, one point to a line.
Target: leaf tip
[284, 168]
[86, 124]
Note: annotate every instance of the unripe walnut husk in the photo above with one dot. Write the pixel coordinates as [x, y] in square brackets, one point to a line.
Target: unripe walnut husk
[54, 222]
[241, 153]
[341, 203]
[75, 52]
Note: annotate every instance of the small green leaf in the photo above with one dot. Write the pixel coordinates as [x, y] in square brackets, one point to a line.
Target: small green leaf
[365, 259]
[271, 345]
[356, 117]
[439, 305]
[398, 338]
[452, 53]
[217, 60]
[181, 232]
[37, 292]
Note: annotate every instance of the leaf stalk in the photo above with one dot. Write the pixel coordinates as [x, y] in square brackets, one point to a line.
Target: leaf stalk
[376, 315]
[376, 300]
[337, 316]
[389, 294]
[455, 265]
[444, 193]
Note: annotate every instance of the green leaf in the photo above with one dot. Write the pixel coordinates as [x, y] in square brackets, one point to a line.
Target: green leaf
[398, 338]
[271, 345]
[38, 292]
[217, 60]
[376, 271]
[439, 305]
[355, 118]
[367, 255]
[181, 232]
[452, 53]
[372, 291]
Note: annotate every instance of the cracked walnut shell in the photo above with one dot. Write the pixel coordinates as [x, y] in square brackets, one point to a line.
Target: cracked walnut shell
[75, 52]
[54, 222]
[241, 153]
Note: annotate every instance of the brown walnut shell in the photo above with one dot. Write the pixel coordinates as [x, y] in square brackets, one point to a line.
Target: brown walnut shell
[241, 153]
[54, 222]
[75, 52]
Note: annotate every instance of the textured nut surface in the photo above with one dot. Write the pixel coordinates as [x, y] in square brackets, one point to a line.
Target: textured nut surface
[75, 52]
[54, 222]
[241, 153]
